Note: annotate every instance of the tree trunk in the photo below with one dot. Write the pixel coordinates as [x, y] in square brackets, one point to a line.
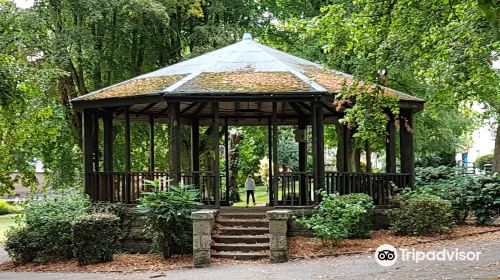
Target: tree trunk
[496, 157]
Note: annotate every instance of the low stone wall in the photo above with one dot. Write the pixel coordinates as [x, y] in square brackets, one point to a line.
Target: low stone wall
[277, 235]
[203, 223]
[134, 238]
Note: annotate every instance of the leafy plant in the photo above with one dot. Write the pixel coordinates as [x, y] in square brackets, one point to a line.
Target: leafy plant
[483, 199]
[169, 214]
[340, 217]
[6, 208]
[47, 227]
[95, 237]
[421, 214]
[482, 160]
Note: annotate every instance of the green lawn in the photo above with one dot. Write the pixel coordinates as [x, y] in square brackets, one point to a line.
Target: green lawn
[261, 196]
[6, 221]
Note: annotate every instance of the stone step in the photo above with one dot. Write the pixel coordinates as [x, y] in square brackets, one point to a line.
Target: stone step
[242, 216]
[248, 239]
[241, 247]
[243, 222]
[240, 255]
[243, 230]
[238, 209]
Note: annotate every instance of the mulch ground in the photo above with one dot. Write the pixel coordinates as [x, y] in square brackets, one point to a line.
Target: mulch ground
[302, 247]
[306, 247]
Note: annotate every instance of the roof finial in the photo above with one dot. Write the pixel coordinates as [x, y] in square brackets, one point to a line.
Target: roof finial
[247, 36]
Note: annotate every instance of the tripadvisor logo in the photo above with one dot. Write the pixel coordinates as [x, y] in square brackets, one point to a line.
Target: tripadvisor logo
[387, 255]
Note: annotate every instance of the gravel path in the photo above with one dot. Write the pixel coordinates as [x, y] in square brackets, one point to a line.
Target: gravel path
[346, 267]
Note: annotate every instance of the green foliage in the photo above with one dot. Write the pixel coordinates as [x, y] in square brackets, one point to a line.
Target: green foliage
[483, 199]
[47, 229]
[169, 216]
[340, 217]
[6, 208]
[437, 159]
[95, 237]
[421, 215]
[482, 160]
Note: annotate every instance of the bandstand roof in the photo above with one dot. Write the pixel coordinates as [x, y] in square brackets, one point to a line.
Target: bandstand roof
[245, 70]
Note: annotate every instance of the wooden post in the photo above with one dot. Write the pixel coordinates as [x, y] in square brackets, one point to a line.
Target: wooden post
[390, 146]
[357, 160]
[88, 149]
[368, 151]
[128, 184]
[195, 151]
[174, 131]
[108, 152]
[270, 157]
[96, 141]
[406, 144]
[226, 155]
[303, 162]
[275, 154]
[318, 146]
[151, 143]
[340, 147]
[215, 147]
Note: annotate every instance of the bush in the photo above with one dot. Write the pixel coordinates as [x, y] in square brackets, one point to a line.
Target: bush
[95, 237]
[482, 160]
[421, 214]
[169, 216]
[48, 223]
[341, 216]
[483, 199]
[6, 208]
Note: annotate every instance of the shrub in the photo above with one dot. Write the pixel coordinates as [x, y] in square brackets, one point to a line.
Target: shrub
[95, 237]
[48, 223]
[6, 208]
[23, 245]
[483, 199]
[169, 215]
[482, 160]
[421, 214]
[340, 217]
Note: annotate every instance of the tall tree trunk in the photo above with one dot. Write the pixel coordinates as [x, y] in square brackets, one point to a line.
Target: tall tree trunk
[496, 157]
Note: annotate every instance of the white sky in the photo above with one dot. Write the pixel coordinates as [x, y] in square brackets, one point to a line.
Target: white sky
[24, 4]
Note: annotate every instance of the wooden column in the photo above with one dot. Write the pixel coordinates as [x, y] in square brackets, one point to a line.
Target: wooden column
[303, 162]
[128, 184]
[174, 142]
[270, 157]
[215, 147]
[318, 145]
[108, 152]
[96, 141]
[406, 144]
[368, 151]
[275, 155]
[390, 146]
[226, 156]
[88, 149]
[151, 143]
[195, 151]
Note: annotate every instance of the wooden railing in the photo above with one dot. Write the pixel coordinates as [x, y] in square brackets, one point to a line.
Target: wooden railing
[377, 185]
[127, 187]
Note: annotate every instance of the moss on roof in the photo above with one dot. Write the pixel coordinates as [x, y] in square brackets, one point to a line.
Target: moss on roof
[136, 87]
[246, 82]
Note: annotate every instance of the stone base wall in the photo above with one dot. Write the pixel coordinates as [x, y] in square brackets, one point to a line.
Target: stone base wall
[134, 238]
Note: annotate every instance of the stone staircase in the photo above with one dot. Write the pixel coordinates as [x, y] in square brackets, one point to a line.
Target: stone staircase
[241, 233]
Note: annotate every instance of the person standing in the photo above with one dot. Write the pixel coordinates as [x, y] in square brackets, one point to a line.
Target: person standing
[250, 188]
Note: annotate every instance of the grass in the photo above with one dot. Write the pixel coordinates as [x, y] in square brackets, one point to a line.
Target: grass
[261, 196]
[6, 221]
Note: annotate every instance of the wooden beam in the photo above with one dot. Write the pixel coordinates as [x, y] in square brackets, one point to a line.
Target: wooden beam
[96, 141]
[296, 108]
[145, 109]
[390, 146]
[406, 144]
[108, 141]
[275, 154]
[303, 162]
[195, 151]
[307, 107]
[174, 142]
[128, 184]
[215, 147]
[320, 148]
[368, 152]
[189, 107]
[226, 155]
[270, 158]
[151, 143]
[88, 149]
[163, 111]
[200, 108]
